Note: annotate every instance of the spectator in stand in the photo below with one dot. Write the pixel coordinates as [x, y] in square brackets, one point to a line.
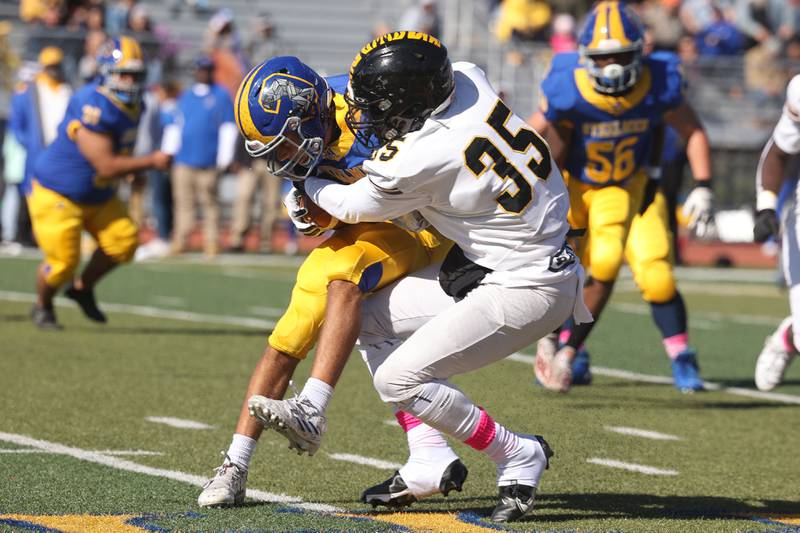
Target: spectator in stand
[117, 15]
[563, 38]
[697, 14]
[87, 65]
[208, 137]
[422, 16]
[161, 111]
[719, 38]
[523, 20]
[769, 23]
[9, 61]
[252, 177]
[262, 43]
[224, 46]
[661, 18]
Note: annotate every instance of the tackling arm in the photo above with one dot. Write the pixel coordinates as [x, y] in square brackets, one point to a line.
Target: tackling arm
[362, 201]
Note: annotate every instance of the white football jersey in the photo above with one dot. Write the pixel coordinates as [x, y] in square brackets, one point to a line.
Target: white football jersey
[481, 176]
[787, 132]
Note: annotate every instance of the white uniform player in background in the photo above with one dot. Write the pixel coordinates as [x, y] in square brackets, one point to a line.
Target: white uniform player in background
[782, 346]
[453, 152]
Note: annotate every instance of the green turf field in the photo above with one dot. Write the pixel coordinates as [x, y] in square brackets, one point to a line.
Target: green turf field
[78, 451]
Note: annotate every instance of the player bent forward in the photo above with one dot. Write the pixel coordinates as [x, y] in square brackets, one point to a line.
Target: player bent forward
[452, 150]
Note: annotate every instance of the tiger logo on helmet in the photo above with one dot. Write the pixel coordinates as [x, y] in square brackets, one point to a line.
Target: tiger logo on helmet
[283, 109]
[121, 69]
[612, 33]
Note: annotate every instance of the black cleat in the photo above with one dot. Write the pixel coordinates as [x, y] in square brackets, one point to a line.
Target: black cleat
[85, 300]
[515, 501]
[395, 493]
[45, 318]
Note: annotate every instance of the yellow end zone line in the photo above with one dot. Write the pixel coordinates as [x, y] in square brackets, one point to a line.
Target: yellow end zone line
[155, 312]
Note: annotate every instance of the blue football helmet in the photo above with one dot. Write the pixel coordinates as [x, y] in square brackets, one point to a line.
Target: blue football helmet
[283, 109]
[120, 68]
[612, 29]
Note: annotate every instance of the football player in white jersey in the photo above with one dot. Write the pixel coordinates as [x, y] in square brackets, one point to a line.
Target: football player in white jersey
[782, 346]
[449, 148]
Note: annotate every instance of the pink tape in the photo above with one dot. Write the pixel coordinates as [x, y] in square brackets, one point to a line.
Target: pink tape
[407, 421]
[676, 344]
[484, 433]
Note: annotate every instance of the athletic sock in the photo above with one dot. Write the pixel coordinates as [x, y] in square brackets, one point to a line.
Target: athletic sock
[670, 318]
[318, 393]
[241, 450]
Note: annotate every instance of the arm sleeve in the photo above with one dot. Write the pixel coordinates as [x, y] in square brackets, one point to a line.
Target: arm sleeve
[362, 201]
[228, 135]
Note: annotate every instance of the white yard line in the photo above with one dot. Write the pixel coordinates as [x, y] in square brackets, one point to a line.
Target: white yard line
[268, 324]
[706, 318]
[173, 301]
[266, 311]
[181, 423]
[664, 380]
[392, 422]
[366, 461]
[632, 467]
[644, 433]
[154, 312]
[122, 464]
[104, 452]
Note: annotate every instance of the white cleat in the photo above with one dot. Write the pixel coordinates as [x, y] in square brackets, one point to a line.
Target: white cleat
[296, 419]
[226, 488]
[774, 359]
[554, 371]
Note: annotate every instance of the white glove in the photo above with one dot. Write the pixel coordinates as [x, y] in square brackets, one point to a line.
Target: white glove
[297, 213]
[699, 209]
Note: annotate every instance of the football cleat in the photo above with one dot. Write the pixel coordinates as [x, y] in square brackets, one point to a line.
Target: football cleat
[774, 358]
[516, 499]
[45, 318]
[686, 372]
[515, 502]
[554, 372]
[296, 419]
[86, 301]
[581, 371]
[395, 493]
[226, 488]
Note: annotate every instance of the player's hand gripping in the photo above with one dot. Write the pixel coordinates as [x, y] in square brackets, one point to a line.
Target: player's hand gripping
[295, 203]
[699, 209]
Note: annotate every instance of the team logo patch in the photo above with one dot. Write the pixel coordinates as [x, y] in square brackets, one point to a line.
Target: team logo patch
[275, 89]
[563, 258]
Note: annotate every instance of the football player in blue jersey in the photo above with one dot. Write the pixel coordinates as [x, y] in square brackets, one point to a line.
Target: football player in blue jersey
[295, 120]
[600, 111]
[75, 180]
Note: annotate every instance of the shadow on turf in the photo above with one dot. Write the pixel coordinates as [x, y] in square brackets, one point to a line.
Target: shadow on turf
[598, 506]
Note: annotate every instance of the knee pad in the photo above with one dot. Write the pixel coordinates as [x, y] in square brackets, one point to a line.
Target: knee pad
[122, 243]
[656, 282]
[605, 257]
[394, 386]
[57, 273]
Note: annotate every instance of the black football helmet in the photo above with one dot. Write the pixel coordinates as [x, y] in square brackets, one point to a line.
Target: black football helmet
[396, 82]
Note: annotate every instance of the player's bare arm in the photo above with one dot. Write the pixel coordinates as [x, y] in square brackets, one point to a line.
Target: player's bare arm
[98, 149]
[684, 120]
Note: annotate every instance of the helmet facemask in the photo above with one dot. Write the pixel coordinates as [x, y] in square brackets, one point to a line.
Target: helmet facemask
[615, 77]
[303, 152]
[126, 82]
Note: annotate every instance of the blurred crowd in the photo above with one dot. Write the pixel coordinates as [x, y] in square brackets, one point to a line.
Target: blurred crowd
[755, 37]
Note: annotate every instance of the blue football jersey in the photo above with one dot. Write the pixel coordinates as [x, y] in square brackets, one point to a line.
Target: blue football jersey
[611, 135]
[342, 159]
[62, 167]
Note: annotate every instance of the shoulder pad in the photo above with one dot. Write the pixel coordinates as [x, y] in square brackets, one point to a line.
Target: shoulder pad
[667, 77]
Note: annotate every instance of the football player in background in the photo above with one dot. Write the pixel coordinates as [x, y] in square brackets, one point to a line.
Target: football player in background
[451, 149]
[74, 184]
[780, 348]
[295, 120]
[599, 112]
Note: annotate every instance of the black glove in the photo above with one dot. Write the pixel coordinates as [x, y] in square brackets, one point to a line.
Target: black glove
[766, 225]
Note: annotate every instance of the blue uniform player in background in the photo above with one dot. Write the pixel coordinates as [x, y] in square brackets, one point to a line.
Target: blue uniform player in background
[603, 112]
[74, 183]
